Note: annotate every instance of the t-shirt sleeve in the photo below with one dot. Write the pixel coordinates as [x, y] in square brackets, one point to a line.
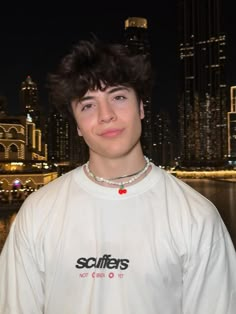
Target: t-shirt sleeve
[21, 288]
[209, 281]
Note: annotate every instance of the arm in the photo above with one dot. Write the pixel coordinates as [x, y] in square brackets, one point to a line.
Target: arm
[209, 283]
[21, 289]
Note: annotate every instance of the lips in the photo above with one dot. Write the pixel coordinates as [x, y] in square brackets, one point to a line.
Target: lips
[111, 132]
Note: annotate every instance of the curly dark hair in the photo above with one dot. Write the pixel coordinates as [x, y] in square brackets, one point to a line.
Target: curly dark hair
[92, 64]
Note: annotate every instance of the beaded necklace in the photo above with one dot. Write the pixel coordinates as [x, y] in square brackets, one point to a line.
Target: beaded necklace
[122, 184]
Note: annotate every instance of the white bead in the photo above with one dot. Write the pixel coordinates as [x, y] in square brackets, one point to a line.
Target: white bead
[100, 179]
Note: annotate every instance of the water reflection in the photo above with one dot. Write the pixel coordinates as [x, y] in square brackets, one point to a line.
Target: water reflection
[222, 194]
[5, 223]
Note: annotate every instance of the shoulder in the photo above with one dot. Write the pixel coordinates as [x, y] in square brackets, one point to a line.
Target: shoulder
[49, 197]
[188, 208]
[183, 193]
[54, 187]
[48, 202]
[192, 216]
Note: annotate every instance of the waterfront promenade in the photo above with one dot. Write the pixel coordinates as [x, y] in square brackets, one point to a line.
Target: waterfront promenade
[223, 175]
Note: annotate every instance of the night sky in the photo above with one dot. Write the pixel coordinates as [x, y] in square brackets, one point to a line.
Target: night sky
[33, 41]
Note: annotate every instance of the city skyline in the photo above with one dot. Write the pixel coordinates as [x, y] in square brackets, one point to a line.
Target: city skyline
[41, 45]
[35, 42]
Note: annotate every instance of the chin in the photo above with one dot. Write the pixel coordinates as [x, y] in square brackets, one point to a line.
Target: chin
[118, 152]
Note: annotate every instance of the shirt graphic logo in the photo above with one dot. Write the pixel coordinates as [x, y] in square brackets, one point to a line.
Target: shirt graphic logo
[106, 261]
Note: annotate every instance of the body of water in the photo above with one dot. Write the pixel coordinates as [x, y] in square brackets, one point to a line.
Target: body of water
[223, 196]
[6, 218]
[221, 193]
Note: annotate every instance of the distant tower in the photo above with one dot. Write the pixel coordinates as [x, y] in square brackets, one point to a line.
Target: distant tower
[232, 127]
[136, 39]
[57, 136]
[163, 146]
[136, 35]
[202, 94]
[29, 100]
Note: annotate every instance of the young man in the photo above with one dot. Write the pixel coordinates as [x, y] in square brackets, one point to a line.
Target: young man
[117, 235]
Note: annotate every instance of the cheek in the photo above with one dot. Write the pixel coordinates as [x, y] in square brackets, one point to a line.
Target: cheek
[84, 127]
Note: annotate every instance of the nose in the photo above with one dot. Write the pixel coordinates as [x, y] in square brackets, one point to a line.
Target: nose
[106, 113]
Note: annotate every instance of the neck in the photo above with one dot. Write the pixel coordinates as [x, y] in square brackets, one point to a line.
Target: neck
[122, 180]
[110, 167]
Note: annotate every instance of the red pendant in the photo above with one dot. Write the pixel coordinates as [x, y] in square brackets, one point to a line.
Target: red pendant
[122, 190]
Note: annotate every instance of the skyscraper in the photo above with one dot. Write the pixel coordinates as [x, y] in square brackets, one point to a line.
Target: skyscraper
[202, 90]
[163, 147]
[137, 40]
[29, 100]
[57, 135]
[232, 127]
[136, 35]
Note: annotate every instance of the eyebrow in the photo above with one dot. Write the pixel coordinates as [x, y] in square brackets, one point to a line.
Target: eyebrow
[117, 89]
[110, 91]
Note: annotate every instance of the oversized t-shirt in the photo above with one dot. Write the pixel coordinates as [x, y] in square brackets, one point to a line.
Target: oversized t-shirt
[77, 247]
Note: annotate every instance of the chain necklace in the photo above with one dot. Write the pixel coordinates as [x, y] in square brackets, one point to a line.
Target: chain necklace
[122, 184]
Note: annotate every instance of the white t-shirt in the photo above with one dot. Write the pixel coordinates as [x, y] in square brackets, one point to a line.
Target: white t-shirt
[76, 247]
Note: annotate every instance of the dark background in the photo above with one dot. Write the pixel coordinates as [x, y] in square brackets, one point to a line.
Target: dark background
[33, 40]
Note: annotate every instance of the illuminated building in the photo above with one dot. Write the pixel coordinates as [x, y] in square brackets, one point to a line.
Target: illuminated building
[58, 132]
[23, 157]
[136, 35]
[163, 147]
[136, 38]
[202, 103]
[29, 101]
[232, 127]
[65, 148]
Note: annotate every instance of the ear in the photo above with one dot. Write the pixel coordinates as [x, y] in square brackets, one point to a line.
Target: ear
[79, 132]
[141, 110]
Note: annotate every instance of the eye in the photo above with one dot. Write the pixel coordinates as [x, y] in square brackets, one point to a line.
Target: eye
[120, 97]
[85, 107]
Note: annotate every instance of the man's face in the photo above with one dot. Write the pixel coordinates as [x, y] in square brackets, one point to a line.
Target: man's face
[109, 120]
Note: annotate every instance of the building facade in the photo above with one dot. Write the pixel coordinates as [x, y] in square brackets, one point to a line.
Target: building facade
[232, 127]
[58, 138]
[163, 140]
[136, 38]
[29, 101]
[23, 158]
[202, 90]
